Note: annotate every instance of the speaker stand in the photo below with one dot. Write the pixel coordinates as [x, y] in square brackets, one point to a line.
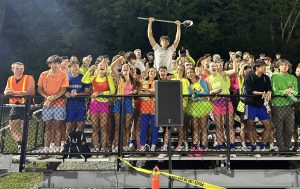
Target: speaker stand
[170, 156]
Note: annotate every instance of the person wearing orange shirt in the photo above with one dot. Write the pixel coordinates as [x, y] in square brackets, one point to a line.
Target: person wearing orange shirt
[18, 85]
[52, 85]
[148, 111]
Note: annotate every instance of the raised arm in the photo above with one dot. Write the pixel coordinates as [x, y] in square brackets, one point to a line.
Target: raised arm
[149, 32]
[114, 65]
[89, 75]
[234, 70]
[178, 34]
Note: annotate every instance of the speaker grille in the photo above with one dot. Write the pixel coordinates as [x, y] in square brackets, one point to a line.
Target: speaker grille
[168, 103]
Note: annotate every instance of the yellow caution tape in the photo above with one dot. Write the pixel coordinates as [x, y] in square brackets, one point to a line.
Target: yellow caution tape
[193, 182]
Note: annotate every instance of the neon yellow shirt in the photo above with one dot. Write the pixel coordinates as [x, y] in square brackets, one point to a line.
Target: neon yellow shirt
[185, 89]
[219, 82]
[88, 78]
[83, 69]
[241, 105]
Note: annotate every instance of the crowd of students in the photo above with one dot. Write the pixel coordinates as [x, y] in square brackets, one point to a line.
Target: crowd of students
[66, 82]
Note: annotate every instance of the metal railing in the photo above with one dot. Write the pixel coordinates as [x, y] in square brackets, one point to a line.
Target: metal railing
[122, 125]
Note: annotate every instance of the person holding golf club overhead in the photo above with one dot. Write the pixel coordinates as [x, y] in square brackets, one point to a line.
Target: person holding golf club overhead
[163, 52]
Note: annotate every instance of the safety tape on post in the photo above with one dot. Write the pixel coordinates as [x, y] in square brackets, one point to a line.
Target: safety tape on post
[193, 182]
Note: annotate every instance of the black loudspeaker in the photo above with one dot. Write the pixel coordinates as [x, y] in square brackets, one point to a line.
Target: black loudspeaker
[168, 103]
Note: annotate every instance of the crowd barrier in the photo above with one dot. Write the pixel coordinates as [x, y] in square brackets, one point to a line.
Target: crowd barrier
[125, 126]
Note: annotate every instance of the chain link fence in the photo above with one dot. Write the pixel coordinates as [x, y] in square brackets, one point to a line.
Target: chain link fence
[125, 125]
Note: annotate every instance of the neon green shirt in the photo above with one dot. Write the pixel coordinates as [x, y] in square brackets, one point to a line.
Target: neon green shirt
[279, 84]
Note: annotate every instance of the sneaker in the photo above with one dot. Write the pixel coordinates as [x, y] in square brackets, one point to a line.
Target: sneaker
[178, 149]
[52, 148]
[126, 148]
[143, 148]
[115, 149]
[263, 149]
[186, 146]
[153, 147]
[292, 149]
[222, 149]
[147, 147]
[95, 150]
[201, 150]
[56, 149]
[244, 148]
[164, 148]
[160, 130]
[131, 146]
[19, 148]
[253, 148]
[62, 146]
[274, 149]
[45, 150]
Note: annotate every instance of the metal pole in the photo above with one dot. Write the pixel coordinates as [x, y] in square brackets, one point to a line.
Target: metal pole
[170, 156]
[157, 20]
[36, 134]
[121, 126]
[1, 112]
[1, 121]
[227, 133]
[25, 134]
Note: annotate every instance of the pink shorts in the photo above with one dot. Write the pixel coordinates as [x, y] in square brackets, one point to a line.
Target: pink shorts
[97, 107]
[219, 106]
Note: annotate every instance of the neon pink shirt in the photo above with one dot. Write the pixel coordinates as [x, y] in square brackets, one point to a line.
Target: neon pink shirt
[234, 83]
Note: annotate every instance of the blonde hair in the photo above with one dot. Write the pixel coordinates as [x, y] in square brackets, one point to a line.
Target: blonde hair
[87, 58]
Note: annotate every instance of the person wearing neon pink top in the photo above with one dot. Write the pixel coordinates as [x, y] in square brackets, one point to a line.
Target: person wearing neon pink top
[102, 84]
[217, 84]
[126, 85]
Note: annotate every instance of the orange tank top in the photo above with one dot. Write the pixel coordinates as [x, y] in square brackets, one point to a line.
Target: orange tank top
[100, 86]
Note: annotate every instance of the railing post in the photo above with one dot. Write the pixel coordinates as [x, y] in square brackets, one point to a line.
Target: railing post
[25, 134]
[227, 132]
[1, 122]
[36, 134]
[121, 126]
[1, 112]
